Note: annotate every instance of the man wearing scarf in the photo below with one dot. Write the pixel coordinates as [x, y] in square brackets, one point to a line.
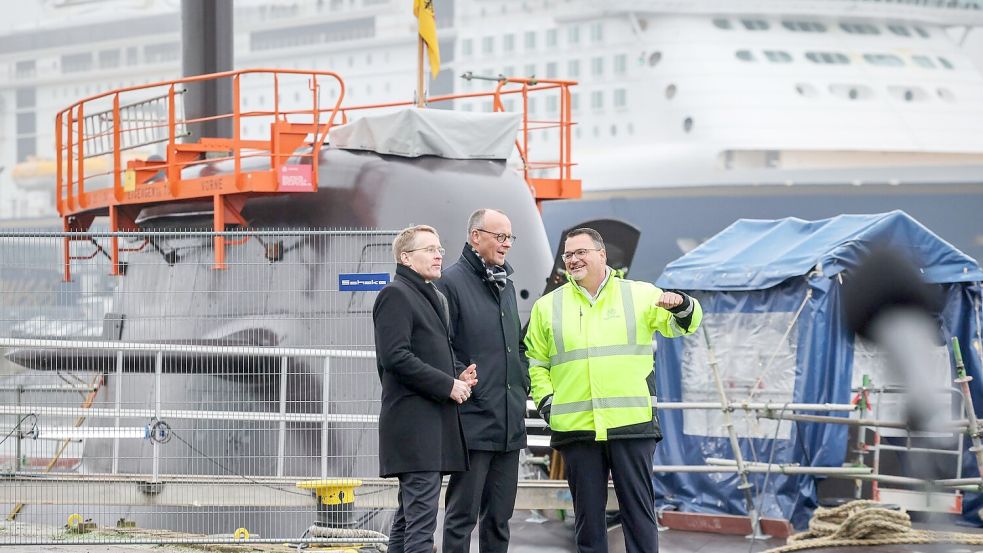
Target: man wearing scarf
[485, 331]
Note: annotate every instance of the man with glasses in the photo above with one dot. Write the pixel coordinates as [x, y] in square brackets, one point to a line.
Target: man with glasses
[589, 347]
[420, 433]
[485, 331]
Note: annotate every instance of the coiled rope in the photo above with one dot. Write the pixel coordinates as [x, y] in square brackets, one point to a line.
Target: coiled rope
[864, 522]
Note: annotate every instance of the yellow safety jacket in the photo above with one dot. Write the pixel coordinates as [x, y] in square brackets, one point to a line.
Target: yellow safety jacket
[595, 358]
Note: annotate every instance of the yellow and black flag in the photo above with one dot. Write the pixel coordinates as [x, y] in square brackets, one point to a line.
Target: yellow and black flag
[427, 25]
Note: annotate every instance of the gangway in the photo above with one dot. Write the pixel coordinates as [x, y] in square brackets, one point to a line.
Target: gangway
[151, 115]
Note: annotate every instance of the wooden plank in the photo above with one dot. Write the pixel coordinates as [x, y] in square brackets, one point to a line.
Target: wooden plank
[723, 524]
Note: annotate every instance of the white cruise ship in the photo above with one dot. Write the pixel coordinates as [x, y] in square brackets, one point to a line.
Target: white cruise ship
[672, 93]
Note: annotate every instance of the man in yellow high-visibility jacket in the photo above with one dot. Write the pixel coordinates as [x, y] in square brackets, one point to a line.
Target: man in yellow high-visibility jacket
[589, 346]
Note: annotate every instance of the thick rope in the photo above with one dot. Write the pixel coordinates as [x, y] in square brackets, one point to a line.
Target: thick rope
[860, 523]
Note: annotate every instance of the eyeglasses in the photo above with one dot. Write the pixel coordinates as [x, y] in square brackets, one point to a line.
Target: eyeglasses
[500, 236]
[430, 250]
[579, 254]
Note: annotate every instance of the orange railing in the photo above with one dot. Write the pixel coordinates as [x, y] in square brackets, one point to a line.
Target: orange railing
[104, 128]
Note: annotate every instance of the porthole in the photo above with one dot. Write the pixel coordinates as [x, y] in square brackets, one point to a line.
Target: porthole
[688, 124]
[670, 92]
[654, 58]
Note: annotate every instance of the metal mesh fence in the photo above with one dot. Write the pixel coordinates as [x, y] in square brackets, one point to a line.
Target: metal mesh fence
[180, 402]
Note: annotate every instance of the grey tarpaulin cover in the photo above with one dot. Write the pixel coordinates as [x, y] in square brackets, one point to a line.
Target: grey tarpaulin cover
[431, 132]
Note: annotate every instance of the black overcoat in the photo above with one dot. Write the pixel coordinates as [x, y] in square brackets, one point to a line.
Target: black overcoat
[486, 331]
[419, 424]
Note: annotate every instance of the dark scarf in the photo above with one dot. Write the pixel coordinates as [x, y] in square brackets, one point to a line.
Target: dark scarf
[437, 300]
[494, 275]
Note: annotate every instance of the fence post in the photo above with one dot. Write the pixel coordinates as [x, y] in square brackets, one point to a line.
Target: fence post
[325, 390]
[282, 433]
[117, 404]
[158, 370]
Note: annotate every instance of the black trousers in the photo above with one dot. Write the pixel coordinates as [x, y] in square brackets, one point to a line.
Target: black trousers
[629, 462]
[416, 517]
[486, 491]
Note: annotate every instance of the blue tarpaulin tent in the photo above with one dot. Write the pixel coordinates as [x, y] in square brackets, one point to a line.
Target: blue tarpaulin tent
[771, 293]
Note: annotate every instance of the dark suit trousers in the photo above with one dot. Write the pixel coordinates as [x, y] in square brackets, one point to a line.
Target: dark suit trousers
[416, 517]
[488, 490]
[629, 462]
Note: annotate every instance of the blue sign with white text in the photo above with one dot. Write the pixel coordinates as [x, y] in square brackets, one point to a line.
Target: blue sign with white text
[362, 282]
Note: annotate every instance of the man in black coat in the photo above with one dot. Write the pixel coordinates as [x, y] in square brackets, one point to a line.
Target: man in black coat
[420, 432]
[485, 331]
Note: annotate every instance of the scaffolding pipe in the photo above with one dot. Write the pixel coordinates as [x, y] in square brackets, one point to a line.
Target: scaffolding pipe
[846, 472]
[745, 406]
[725, 408]
[963, 380]
[961, 424]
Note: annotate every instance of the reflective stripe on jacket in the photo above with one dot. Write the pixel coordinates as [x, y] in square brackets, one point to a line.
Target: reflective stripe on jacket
[596, 358]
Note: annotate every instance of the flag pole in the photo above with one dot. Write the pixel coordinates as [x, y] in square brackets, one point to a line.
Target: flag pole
[419, 72]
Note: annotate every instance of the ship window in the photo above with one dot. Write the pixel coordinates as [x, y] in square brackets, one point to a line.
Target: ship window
[670, 91]
[74, 63]
[551, 104]
[575, 102]
[755, 24]
[614, 130]
[132, 55]
[899, 30]
[466, 47]
[804, 26]
[530, 40]
[573, 68]
[597, 100]
[508, 71]
[530, 70]
[573, 34]
[488, 45]
[551, 38]
[109, 59]
[778, 56]
[945, 63]
[923, 61]
[25, 68]
[597, 32]
[163, 52]
[597, 67]
[620, 64]
[851, 91]
[946, 94]
[744, 55]
[654, 58]
[922, 32]
[807, 90]
[688, 124]
[26, 147]
[722, 23]
[620, 98]
[884, 59]
[860, 28]
[26, 98]
[26, 123]
[508, 43]
[551, 70]
[908, 93]
[834, 58]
